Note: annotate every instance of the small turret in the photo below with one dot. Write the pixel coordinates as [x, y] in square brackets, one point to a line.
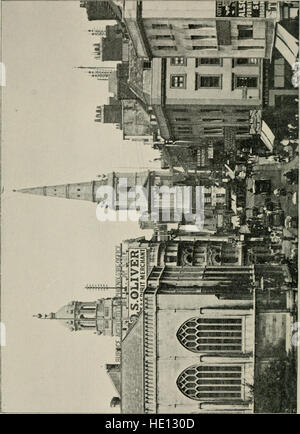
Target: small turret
[102, 316]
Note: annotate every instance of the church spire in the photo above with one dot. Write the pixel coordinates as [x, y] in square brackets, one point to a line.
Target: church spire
[80, 191]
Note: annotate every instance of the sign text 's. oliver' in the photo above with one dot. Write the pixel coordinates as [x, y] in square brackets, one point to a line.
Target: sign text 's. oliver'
[137, 277]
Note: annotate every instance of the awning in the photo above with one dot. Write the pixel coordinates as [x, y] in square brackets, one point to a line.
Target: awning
[286, 44]
[267, 136]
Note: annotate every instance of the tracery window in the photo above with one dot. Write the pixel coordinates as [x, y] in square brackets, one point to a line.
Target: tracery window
[211, 382]
[201, 335]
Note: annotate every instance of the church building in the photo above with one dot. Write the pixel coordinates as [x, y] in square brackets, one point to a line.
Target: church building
[193, 346]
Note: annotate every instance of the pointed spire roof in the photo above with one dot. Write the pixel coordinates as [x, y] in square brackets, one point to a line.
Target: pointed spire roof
[34, 190]
[80, 191]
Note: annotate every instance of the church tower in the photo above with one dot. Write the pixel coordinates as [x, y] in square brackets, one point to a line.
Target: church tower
[116, 185]
[144, 193]
[102, 316]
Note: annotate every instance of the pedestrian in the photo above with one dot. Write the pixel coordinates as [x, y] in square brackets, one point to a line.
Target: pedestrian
[280, 192]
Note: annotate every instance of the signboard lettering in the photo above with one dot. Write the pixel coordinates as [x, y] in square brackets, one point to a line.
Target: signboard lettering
[137, 279]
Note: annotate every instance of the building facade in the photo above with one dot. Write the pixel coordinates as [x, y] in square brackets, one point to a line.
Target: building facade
[192, 29]
[207, 65]
[195, 344]
[210, 318]
[208, 361]
[205, 82]
[201, 100]
[180, 254]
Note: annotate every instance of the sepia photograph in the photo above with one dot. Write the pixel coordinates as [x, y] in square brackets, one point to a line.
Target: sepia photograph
[149, 208]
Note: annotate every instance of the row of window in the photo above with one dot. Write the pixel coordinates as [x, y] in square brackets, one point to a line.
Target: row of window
[217, 132]
[214, 120]
[192, 37]
[244, 31]
[190, 26]
[194, 47]
[207, 131]
[212, 81]
[182, 61]
[186, 110]
[187, 131]
[207, 47]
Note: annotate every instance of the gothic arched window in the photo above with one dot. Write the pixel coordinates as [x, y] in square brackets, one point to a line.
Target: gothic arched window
[202, 335]
[200, 382]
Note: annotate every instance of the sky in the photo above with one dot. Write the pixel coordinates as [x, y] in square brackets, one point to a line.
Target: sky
[51, 248]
